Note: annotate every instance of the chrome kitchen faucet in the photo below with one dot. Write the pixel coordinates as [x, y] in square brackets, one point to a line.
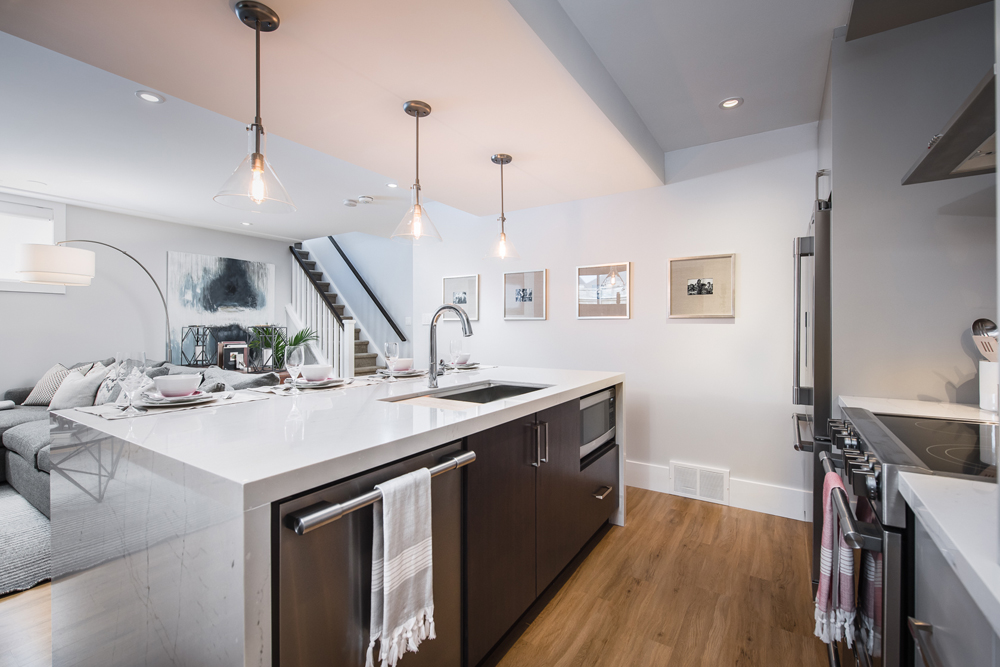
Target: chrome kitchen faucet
[432, 375]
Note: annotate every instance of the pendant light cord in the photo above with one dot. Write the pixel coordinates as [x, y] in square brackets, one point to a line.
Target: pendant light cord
[417, 182]
[256, 120]
[503, 218]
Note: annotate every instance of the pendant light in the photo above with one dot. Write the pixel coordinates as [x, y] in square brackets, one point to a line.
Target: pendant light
[501, 248]
[613, 280]
[254, 186]
[416, 224]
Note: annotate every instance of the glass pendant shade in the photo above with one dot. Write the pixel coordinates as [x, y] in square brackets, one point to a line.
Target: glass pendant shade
[416, 225]
[55, 265]
[613, 280]
[254, 186]
[502, 248]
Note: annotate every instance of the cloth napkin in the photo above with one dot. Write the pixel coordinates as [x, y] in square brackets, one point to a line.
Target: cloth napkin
[835, 595]
[870, 591]
[402, 568]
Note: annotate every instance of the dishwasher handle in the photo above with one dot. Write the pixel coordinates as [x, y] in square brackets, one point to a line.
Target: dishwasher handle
[322, 513]
[922, 636]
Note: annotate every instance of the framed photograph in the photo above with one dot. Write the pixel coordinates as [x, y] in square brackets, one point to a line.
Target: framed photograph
[603, 291]
[701, 287]
[462, 291]
[524, 295]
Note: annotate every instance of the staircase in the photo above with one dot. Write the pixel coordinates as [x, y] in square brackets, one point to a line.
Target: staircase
[365, 362]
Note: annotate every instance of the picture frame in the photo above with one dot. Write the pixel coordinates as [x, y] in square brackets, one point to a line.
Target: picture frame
[524, 295]
[461, 291]
[596, 300]
[702, 287]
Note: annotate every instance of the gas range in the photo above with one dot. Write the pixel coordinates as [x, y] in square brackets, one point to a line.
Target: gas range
[876, 448]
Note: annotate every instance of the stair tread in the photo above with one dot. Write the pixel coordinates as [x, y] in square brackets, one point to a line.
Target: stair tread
[366, 370]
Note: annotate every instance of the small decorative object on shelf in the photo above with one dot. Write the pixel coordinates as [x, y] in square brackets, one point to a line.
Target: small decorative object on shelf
[267, 345]
[197, 342]
[233, 355]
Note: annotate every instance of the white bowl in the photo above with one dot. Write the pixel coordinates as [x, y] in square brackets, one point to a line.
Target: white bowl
[401, 364]
[464, 357]
[316, 372]
[177, 385]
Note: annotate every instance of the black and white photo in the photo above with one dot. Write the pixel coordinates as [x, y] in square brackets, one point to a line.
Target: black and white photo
[700, 286]
[460, 298]
[461, 291]
[522, 295]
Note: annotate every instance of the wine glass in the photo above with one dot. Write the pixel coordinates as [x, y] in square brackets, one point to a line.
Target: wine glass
[295, 358]
[131, 377]
[391, 354]
[456, 350]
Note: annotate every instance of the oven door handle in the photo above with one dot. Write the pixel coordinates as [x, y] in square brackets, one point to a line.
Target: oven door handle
[857, 534]
[922, 633]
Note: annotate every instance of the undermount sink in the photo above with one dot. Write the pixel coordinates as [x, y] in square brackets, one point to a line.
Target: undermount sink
[480, 392]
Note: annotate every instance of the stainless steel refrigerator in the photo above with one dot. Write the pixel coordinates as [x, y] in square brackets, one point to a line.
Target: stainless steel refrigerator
[812, 392]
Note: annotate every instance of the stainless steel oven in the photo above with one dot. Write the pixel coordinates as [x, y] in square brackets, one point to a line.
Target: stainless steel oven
[597, 420]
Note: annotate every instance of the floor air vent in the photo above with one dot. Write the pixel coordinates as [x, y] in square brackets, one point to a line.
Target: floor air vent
[709, 484]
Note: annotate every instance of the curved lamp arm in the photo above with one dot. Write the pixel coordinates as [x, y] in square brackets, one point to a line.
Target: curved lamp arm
[155, 284]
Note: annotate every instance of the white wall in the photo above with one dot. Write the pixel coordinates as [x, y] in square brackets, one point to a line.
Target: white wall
[121, 308]
[913, 266]
[387, 267]
[712, 392]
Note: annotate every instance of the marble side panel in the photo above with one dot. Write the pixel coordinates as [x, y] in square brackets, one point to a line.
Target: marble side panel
[148, 556]
[257, 583]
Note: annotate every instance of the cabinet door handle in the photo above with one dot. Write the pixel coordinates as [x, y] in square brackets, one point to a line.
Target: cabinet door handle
[922, 636]
[538, 446]
[602, 492]
[545, 459]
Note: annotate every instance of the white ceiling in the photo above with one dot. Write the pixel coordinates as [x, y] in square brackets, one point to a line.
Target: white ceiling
[84, 134]
[675, 60]
[335, 76]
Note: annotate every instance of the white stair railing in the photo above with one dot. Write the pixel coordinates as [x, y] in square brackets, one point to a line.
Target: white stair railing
[309, 309]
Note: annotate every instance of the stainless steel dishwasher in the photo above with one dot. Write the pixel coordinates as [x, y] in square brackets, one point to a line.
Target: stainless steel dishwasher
[323, 575]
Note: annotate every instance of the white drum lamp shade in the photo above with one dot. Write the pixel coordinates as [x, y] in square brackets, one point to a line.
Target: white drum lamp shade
[55, 265]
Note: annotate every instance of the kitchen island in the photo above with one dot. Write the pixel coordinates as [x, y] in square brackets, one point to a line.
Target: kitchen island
[164, 527]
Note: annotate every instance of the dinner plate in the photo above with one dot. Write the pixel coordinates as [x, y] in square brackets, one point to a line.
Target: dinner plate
[414, 372]
[155, 400]
[474, 364]
[318, 384]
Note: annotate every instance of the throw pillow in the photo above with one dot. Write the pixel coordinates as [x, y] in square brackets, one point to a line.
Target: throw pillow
[78, 390]
[107, 393]
[46, 388]
[6, 405]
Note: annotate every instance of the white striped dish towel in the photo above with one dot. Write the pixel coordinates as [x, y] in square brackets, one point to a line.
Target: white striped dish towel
[402, 568]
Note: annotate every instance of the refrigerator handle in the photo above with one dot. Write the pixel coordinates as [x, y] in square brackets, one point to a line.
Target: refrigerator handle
[802, 247]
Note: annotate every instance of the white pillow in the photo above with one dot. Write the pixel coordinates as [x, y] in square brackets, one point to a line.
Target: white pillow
[78, 390]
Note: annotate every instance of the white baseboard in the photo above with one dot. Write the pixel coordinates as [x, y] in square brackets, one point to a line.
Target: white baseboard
[743, 493]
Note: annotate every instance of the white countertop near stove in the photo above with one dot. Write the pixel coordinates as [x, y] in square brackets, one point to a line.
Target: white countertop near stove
[962, 518]
[910, 408]
[280, 446]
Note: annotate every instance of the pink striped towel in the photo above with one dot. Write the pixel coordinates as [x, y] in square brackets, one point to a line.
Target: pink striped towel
[870, 591]
[834, 604]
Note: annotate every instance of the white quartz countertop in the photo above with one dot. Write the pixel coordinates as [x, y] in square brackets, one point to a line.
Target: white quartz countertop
[962, 519]
[283, 445]
[910, 408]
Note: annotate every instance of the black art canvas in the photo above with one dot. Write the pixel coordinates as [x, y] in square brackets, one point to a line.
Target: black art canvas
[226, 294]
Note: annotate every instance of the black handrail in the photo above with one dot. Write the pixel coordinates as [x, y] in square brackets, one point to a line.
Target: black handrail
[315, 285]
[378, 304]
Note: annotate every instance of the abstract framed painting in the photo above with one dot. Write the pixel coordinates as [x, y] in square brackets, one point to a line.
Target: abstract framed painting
[524, 296]
[702, 287]
[603, 291]
[461, 291]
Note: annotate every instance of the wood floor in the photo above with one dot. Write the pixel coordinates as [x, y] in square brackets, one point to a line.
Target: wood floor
[26, 628]
[684, 583]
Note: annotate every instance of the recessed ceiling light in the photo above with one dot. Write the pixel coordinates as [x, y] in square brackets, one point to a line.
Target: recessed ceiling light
[246, 224]
[391, 185]
[731, 102]
[147, 96]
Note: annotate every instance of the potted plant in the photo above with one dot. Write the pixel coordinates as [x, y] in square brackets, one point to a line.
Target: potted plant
[269, 342]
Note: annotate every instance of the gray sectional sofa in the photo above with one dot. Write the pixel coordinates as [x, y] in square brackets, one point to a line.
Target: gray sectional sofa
[24, 430]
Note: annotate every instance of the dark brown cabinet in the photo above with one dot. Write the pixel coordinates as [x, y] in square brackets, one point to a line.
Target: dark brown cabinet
[530, 508]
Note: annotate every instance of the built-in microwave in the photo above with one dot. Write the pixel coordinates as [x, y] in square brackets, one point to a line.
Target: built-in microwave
[597, 420]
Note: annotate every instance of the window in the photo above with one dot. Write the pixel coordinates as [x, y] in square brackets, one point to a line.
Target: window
[25, 220]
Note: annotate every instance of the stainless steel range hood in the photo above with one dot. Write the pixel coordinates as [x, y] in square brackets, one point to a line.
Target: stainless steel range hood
[967, 144]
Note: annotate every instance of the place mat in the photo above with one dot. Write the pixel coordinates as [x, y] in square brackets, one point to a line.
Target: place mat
[112, 412]
[283, 390]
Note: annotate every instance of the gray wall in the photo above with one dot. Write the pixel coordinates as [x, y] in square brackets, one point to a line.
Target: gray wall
[120, 309]
[912, 266]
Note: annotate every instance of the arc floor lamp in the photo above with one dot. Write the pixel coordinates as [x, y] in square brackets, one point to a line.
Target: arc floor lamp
[74, 267]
